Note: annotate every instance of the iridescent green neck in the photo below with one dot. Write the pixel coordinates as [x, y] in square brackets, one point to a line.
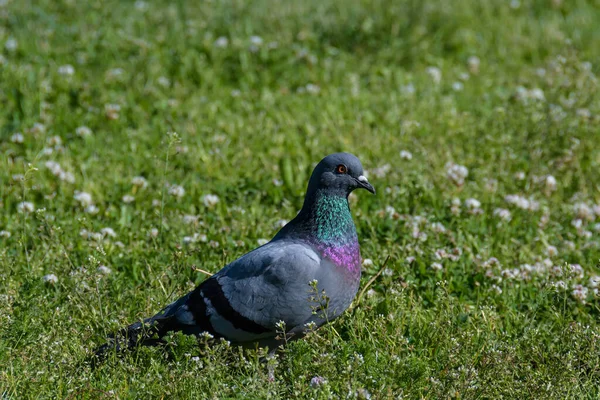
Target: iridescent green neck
[333, 222]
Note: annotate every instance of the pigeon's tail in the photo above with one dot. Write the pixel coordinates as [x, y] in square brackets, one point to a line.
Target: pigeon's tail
[148, 332]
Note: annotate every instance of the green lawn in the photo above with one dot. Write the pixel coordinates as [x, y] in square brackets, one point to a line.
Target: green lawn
[479, 125]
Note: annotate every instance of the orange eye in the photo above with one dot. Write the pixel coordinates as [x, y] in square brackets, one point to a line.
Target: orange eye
[341, 169]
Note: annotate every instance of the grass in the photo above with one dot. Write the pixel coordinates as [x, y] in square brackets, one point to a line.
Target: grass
[258, 92]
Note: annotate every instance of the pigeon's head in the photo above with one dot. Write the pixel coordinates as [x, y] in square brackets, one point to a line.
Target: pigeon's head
[339, 173]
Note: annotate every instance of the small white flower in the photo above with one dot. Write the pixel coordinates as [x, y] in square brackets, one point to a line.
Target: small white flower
[262, 241]
[177, 191]
[156, 203]
[594, 281]
[312, 88]
[190, 219]
[83, 131]
[437, 266]
[153, 232]
[583, 211]
[5, 234]
[367, 262]
[435, 73]
[437, 227]
[473, 64]
[579, 293]
[497, 289]
[551, 251]
[256, 40]
[108, 232]
[520, 175]
[503, 213]
[163, 81]
[17, 138]
[11, 44]
[91, 209]
[550, 183]
[277, 182]
[139, 181]
[457, 86]
[25, 207]
[210, 200]
[406, 155]
[472, 203]
[50, 279]
[66, 70]
[317, 381]
[85, 199]
[221, 42]
[112, 111]
[128, 199]
[456, 173]
[103, 269]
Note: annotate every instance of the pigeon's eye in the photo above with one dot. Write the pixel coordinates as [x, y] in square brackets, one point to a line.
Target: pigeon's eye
[341, 169]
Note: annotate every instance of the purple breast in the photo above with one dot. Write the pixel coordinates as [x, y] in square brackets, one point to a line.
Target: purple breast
[346, 256]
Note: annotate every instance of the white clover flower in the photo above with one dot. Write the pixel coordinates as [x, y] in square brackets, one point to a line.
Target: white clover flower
[108, 232]
[437, 266]
[37, 128]
[580, 293]
[522, 202]
[262, 241]
[473, 64]
[437, 227]
[153, 232]
[128, 199]
[496, 289]
[551, 251]
[367, 262]
[503, 214]
[25, 207]
[83, 131]
[312, 88]
[317, 381]
[50, 279]
[576, 270]
[104, 270]
[163, 81]
[139, 181]
[213, 244]
[112, 111]
[456, 173]
[472, 203]
[435, 73]
[406, 155]
[381, 172]
[550, 183]
[594, 281]
[583, 211]
[66, 70]
[156, 202]
[210, 200]
[11, 44]
[560, 285]
[85, 199]
[520, 175]
[91, 209]
[221, 42]
[177, 191]
[5, 234]
[457, 86]
[17, 138]
[190, 219]
[256, 40]
[277, 182]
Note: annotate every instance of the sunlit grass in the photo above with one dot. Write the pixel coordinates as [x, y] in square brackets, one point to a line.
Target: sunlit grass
[477, 122]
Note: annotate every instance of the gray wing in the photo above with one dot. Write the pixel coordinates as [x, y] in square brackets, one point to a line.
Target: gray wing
[245, 300]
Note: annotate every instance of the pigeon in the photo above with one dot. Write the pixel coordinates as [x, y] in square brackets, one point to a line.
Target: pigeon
[306, 276]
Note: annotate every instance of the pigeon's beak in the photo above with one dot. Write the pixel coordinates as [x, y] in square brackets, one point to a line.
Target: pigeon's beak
[364, 183]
